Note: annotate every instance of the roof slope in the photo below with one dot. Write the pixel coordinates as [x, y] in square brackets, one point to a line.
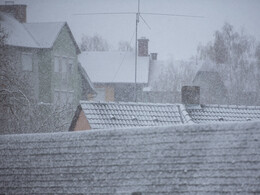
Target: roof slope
[186, 159]
[102, 115]
[114, 67]
[35, 35]
[45, 33]
[17, 33]
[219, 113]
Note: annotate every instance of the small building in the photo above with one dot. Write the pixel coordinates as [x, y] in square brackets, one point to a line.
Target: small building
[113, 73]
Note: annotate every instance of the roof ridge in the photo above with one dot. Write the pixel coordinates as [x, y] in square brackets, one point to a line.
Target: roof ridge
[44, 22]
[230, 106]
[128, 103]
[31, 35]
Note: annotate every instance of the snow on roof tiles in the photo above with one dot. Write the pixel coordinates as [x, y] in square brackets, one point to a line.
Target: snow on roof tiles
[219, 113]
[184, 159]
[114, 67]
[102, 115]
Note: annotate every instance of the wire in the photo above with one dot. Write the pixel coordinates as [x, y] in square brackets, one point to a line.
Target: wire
[175, 15]
[148, 13]
[112, 13]
[119, 67]
[145, 22]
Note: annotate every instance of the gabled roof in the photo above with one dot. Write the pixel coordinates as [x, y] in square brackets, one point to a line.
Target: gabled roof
[210, 78]
[219, 113]
[114, 67]
[185, 159]
[35, 35]
[102, 115]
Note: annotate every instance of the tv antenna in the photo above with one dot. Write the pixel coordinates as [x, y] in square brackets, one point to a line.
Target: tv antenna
[138, 16]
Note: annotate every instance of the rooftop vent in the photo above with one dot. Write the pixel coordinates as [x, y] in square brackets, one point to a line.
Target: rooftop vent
[155, 119]
[112, 117]
[134, 118]
[221, 119]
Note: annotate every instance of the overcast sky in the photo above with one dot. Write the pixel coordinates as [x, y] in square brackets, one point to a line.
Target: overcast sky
[171, 37]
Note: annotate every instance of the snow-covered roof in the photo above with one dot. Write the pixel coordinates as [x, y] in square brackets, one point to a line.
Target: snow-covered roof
[102, 115]
[44, 34]
[114, 67]
[185, 159]
[34, 35]
[219, 113]
[18, 35]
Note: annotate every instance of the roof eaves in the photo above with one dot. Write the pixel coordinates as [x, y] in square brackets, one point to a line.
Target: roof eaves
[75, 118]
[72, 37]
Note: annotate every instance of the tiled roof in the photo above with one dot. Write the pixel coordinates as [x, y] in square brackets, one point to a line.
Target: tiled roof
[220, 113]
[111, 114]
[184, 159]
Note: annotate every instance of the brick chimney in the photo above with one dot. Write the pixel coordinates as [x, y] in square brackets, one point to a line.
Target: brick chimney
[143, 46]
[18, 11]
[190, 95]
[154, 56]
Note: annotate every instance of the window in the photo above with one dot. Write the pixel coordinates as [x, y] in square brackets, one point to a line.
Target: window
[56, 64]
[63, 65]
[70, 65]
[62, 97]
[27, 62]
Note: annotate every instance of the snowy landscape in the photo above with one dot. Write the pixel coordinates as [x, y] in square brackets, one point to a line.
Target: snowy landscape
[129, 97]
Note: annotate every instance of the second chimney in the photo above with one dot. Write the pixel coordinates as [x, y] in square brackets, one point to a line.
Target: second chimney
[18, 11]
[154, 56]
[190, 95]
[143, 46]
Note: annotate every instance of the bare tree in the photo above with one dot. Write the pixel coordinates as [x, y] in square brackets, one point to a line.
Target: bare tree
[95, 43]
[173, 77]
[125, 46]
[232, 54]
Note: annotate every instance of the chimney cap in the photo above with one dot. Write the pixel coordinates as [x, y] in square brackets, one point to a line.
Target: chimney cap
[143, 38]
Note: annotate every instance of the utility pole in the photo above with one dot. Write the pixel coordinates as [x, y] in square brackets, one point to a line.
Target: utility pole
[136, 32]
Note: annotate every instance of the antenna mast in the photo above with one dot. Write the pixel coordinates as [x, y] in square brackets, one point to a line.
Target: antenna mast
[136, 31]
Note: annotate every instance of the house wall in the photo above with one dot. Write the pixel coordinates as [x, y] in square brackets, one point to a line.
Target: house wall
[119, 92]
[45, 75]
[29, 78]
[82, 122]
[110, 94]
[68, 82]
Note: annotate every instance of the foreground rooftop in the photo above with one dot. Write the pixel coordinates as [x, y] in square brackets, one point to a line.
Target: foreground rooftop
[183, 159]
